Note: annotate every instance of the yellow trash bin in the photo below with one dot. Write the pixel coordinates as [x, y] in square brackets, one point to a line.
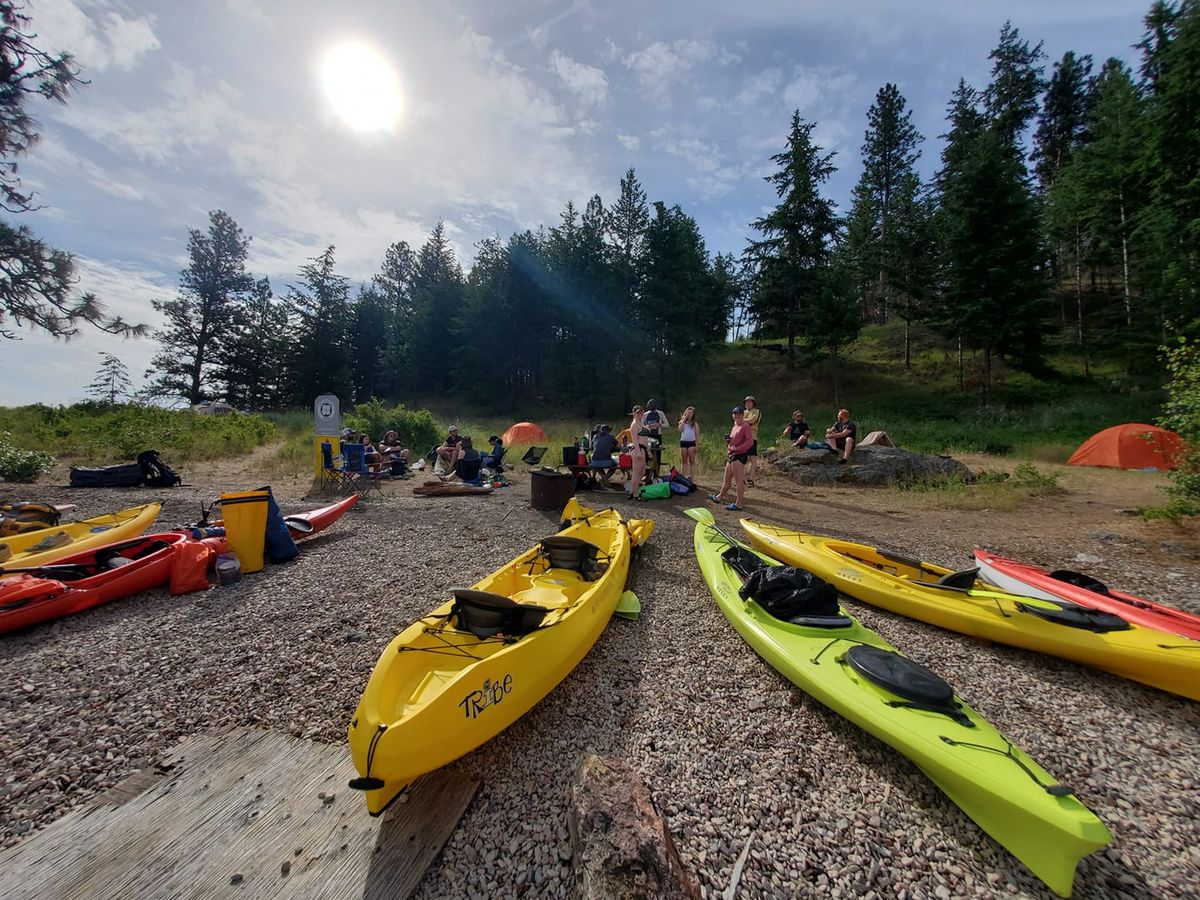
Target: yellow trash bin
[245, 514]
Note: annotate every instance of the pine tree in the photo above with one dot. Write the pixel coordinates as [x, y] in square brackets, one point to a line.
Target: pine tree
[1011, 97]
[889, 154]
[628, 221]
[368, 343]
[393, 286]
[37, 282]
[437, 291]
[252, 362]
[788, 261]
[320, 304]
[211, 289]
[1063, 119]
[112, 381]
[911, 264]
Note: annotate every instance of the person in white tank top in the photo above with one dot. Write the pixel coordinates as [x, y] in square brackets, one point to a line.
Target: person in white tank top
[689, 439]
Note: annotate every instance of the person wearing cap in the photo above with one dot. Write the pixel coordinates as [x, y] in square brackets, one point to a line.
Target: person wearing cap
[491, 459]
[468, 463]
[638, 452]
[753, 416]
[394, 452]
[448, 452]
[347, 438]
[740, 440]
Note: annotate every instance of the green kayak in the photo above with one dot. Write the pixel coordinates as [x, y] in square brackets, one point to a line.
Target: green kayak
[845, 666]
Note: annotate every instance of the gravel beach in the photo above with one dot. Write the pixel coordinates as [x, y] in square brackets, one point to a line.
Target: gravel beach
[730, 750]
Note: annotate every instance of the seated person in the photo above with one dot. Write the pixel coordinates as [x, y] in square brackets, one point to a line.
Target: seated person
[797, 430]
[467, 464]
[842, 435]
[392, 449]
[372, 456]
[602, 453]
[347, 438]
[448, 452]
[491, 459]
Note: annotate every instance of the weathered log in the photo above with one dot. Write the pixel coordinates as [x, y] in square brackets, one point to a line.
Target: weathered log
[622, 847]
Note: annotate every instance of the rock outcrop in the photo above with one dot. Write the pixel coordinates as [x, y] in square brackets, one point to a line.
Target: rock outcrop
[622, 848]
[868, 465]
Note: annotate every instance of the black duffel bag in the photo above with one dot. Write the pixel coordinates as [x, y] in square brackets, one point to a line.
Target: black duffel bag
[786, 592]
[125, 475]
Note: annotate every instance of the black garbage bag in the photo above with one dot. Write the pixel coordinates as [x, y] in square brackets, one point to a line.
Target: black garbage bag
[786, 592]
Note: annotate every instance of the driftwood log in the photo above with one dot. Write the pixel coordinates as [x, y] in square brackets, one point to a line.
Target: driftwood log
[622, 847]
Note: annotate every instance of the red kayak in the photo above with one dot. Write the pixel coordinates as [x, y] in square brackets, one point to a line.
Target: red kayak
[75, 583]
[1023, 578]
[103, 574]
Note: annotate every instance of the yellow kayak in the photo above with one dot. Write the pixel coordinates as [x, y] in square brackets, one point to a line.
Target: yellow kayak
[962, 602]
[462, 674]
[37, 548]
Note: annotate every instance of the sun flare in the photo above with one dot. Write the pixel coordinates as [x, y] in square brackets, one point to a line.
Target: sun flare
[361, 86]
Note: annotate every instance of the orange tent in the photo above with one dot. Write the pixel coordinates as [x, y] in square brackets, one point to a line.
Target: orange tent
[1129, 446]
[524, 433]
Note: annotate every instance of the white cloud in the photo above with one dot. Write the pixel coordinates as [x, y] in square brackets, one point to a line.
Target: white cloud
[712, 175]
[628, 141]
[757, 87]
[251, 12]
[660, 63]
[587, 83]
[815, 91]
[105, 35]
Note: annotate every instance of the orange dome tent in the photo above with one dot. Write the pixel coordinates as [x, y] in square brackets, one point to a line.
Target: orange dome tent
[524, 433]
[1130, 446]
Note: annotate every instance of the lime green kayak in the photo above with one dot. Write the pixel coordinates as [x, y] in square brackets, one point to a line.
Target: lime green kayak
[844, 666]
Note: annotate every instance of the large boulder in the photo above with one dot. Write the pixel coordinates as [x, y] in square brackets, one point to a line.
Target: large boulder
[622, 849]
[871, 464]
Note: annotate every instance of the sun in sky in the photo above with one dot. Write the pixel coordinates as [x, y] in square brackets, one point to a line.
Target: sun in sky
[362, 86]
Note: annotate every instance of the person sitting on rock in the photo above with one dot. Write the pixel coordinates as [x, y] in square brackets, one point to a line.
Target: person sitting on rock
[842, 435]
[797, 430]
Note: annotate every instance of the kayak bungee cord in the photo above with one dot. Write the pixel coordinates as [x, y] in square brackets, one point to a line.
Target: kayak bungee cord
[1054, 790]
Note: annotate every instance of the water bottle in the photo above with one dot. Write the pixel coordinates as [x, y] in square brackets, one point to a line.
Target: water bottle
[229, 568]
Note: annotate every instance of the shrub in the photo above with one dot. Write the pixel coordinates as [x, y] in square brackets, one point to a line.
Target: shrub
[1183, 416]
[415, 428]
[25, 466]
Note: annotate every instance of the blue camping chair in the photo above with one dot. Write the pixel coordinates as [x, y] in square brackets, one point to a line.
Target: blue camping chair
[495, 461]
[334, 476]
[362, 477]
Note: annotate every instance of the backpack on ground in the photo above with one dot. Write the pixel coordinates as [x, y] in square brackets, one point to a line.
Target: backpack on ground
[155, 472]
[18, 518]
[124, 475]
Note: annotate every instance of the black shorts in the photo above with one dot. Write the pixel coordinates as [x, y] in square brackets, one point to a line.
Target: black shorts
[754, 448]
[685, 445]
[743, 458]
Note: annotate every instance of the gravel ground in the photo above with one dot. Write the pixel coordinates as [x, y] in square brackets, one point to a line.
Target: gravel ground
[730, 750]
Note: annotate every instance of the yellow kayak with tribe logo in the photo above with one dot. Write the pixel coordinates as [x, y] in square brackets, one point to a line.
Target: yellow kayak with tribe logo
[462, 674]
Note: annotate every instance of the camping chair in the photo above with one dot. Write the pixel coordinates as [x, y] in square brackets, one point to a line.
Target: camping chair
[362, 477]
[533, 456]
[334, 476]
[468, 470]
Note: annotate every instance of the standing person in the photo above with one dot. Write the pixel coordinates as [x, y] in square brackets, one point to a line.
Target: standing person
[740, 439]
[752, 418]
[797, 430]
[638, 452]
[654, 420]
[842, 435]
[689, 439]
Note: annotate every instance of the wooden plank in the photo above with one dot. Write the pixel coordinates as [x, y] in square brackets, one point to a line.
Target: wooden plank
[243, 813]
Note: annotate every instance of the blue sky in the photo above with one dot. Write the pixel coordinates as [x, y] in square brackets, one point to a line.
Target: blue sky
[509, 110]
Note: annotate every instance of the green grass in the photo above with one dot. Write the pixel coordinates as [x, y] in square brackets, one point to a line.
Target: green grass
[990, 490]
[98, 433]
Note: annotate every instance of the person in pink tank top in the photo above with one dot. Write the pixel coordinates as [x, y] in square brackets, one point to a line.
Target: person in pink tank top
[741, 439]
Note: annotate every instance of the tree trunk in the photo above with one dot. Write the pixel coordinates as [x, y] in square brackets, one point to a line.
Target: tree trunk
[960, 364]
[791, 351]
[907, 333]
[1125, 266]
[987, 373]
[1078, 290]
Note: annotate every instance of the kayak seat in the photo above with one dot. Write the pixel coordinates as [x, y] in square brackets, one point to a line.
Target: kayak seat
[1077, 617]
[900, 675]
[822, 621]
[964, 580]
[1079, 579]
[485, 614]
[573, 554]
